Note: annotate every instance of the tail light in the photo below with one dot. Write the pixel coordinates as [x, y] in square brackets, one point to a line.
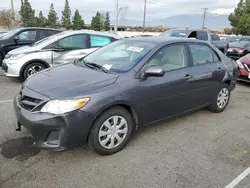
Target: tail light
[239, 50]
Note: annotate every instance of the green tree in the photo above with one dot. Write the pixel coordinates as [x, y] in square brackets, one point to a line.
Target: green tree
[41, 20]
[96, 22]
[52, 17]
[78, 22]
[27, 14]
[107, 22]
[66, 15]
[239, 18]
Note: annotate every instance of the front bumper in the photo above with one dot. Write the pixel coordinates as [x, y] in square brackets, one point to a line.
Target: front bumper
[55, 132]
[12, 68]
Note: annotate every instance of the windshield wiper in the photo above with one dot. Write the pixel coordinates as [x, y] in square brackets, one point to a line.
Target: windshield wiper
[94, 65]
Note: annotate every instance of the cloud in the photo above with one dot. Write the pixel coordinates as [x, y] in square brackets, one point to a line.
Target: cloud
[156, 9]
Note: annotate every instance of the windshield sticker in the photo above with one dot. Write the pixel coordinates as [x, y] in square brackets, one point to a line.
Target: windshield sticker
[135, 49]
[106, 66]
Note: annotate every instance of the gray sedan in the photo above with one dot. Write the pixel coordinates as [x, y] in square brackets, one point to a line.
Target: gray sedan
[103, 98]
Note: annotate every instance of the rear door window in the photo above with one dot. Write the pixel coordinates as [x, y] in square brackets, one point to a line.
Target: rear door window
[202, 54]
[99, 41]
[215, 38]
[202, 35]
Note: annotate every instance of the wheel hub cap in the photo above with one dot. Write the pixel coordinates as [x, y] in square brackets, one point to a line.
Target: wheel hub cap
[222, 98]
[113, 132]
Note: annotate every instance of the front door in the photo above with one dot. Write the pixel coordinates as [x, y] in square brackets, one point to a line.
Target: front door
[23, 38]
[168, 95]
[70, 49]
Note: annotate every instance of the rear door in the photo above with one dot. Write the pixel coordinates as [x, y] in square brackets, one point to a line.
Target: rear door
[207, 72]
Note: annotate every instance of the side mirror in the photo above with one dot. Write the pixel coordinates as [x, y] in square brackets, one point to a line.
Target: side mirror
[154, 71]
[58, 49]
[16, 38]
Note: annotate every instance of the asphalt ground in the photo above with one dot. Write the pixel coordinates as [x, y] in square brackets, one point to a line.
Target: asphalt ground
[197, 151]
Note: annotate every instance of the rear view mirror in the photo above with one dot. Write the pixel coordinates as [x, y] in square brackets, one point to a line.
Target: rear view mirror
[154, 71]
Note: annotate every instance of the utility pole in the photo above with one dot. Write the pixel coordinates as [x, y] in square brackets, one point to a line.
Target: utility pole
[13, 12]
[12, 7]
[116, 15]
[204, 18]
[144, 16]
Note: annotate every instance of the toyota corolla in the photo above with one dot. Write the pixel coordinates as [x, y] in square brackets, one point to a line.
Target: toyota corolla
[103, 98]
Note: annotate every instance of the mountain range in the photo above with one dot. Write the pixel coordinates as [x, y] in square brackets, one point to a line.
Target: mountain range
[186, 20]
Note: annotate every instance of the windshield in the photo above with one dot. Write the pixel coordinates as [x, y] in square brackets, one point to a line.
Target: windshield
[120, 56]
[10, 34]
[174, 33]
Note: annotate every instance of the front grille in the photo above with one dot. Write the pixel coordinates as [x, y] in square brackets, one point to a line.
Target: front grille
[28, 103]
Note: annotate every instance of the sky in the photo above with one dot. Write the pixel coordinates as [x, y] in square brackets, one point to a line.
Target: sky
[131, 9]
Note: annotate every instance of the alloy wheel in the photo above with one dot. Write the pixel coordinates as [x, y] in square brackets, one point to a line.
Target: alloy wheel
[34, 69]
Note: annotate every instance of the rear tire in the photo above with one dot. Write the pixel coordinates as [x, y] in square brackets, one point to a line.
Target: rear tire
[111, 131]
[33, 68]
[221, 100]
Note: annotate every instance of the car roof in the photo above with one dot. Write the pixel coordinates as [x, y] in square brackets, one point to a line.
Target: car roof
[40, 28]
[164, 40]
[83, 31]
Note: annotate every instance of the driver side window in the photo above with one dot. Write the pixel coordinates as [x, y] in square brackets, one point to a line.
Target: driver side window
[171, 57]
[74, 42]
[27, 36]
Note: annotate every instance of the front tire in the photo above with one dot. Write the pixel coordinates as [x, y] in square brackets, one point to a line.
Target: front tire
[221, 100]
[111, 131]
[33, 68]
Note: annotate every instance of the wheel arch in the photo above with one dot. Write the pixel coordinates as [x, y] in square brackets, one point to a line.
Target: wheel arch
[134, 113]
[33, 61]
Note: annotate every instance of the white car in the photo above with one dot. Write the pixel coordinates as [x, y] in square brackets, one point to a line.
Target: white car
[60, 48]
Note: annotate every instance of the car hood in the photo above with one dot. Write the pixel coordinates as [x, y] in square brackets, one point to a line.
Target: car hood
[245, 59]
[68, 81]
[21, 50]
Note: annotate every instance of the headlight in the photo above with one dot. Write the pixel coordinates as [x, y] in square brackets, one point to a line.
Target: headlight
[64, 106]
[240, 64]
[18, 56]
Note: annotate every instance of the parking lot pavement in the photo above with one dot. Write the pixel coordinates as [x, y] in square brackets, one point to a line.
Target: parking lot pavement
[200, 150]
